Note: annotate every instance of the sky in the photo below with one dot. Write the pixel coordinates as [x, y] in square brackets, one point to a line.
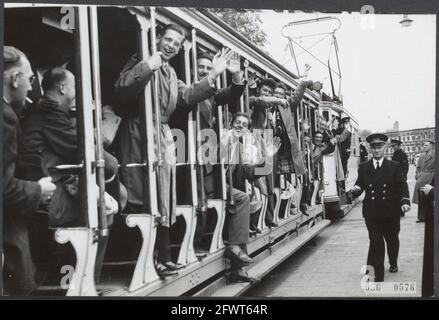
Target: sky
[388, 71]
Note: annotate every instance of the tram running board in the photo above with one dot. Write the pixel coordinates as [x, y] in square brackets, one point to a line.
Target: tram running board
[264, 267]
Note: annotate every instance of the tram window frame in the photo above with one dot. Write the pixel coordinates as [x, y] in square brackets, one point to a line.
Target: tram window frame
[108, 78]
[43, 25]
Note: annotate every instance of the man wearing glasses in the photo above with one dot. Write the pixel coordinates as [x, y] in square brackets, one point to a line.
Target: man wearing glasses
[320, 149]
[386, 195]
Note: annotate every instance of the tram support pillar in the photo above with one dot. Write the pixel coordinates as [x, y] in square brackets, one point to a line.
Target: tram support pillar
[144, 272]
[217, 238]
[187, 252]
[83, 241]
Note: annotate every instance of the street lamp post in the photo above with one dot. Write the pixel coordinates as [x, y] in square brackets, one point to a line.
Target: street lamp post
[406, 21]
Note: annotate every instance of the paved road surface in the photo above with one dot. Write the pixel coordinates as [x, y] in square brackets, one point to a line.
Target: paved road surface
[331, 267]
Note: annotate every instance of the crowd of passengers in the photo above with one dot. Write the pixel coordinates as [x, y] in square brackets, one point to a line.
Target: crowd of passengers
[42, 135]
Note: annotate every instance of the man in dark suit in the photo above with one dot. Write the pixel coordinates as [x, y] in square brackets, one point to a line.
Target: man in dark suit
[400, 156]
[49, 138]
[386, 195]
[208, 110]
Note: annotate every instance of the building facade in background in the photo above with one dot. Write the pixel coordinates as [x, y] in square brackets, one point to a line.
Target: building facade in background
[412, 141]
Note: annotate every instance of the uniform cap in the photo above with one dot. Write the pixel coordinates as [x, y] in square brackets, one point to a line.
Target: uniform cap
[377, 138]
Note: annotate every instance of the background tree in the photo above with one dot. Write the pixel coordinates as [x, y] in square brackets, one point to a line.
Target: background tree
[246, 22]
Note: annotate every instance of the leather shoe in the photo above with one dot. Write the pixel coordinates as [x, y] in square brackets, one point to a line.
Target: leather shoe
[241, 276]
[239, 256]
[393, 269]
[254, 229]
[271, 224]
[418, 221]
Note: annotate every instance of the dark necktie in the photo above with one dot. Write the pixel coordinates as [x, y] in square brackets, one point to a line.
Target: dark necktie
[378, 166]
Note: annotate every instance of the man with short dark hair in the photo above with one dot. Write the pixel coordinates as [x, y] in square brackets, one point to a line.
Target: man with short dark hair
[21, 198]
[401, 157]
[386, 195]
[208, 110]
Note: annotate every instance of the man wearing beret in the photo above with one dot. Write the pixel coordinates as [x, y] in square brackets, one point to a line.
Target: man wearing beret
[386, 195]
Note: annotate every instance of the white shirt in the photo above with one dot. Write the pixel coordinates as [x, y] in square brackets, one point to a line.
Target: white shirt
[380, 161]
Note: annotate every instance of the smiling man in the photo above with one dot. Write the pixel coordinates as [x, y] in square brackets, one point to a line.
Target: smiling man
[386, 195]
[208, 110]
[173, 93]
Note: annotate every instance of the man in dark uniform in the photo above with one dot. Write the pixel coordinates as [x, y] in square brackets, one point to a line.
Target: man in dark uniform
[386, 195]
[400, 156]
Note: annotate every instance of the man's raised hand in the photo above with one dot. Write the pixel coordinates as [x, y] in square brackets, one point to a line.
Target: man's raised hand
[220, 62]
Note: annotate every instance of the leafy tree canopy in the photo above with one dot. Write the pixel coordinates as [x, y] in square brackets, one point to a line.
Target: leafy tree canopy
[246, 22]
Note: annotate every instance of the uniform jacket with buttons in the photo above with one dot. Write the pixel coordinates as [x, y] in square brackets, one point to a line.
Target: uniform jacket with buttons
[386, 189]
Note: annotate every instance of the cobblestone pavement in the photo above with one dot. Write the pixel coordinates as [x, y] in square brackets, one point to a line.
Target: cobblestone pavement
[330, 267]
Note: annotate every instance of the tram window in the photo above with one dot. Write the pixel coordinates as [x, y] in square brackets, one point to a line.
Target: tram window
[46, 44]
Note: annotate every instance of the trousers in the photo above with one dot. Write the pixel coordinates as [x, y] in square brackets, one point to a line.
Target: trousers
[382, 229]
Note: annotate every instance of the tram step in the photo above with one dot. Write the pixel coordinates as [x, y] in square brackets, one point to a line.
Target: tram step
[261, 269]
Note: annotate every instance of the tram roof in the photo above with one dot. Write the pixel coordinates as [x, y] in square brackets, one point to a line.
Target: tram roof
[237, 42]
[338, 108]
[214, 27]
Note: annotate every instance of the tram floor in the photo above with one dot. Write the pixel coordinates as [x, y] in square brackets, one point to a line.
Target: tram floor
[329, 266]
